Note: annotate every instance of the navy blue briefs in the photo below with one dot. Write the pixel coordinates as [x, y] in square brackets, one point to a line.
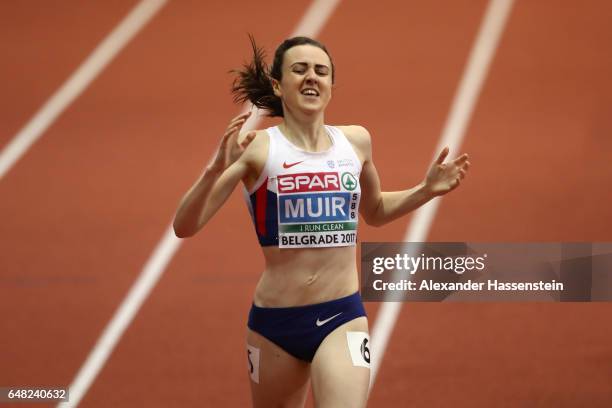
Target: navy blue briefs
[300, 330]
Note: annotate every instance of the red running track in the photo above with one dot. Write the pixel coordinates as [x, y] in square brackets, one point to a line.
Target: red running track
[87, 204]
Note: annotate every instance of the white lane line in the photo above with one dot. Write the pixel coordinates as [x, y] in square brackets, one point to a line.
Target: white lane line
[123, 317]
[315, 18]
[78, 82]
[474, 75]
[310, 25]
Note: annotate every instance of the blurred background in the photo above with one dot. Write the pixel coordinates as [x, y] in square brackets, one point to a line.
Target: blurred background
[98, 148]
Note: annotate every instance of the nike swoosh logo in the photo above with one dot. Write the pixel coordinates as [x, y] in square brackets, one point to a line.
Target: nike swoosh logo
[322, 322]
[287, 166]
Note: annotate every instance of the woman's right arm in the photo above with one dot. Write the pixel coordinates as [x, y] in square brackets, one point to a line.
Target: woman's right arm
[211, 190]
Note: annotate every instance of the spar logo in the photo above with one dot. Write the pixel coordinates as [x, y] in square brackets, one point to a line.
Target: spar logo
[349, 181]
[308, 182]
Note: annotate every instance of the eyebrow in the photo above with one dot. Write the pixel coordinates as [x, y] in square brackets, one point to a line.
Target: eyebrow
[306, 64]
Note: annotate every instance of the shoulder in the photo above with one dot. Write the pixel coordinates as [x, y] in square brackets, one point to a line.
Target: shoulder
[360, 138]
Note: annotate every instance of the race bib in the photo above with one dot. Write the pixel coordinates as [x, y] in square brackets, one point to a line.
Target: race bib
[317, 209]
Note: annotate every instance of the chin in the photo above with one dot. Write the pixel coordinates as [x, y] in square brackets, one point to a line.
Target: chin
[311, 111]
[312, 108]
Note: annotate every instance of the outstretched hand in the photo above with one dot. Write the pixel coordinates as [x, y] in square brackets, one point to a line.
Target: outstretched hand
[444, 177]
[230, 148]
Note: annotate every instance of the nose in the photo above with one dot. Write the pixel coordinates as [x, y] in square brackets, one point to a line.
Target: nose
[311, 76]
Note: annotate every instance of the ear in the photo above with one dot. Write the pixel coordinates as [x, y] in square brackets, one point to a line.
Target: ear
[276, 87]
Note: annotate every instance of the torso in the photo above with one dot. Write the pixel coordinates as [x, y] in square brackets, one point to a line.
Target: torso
[293, 277]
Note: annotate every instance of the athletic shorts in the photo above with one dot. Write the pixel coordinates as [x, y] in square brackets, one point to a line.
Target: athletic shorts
[300, 330]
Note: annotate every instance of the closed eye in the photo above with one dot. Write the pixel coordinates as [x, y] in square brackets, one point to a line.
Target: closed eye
[301, 68]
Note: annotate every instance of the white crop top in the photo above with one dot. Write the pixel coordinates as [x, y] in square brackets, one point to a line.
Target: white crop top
[307, 199]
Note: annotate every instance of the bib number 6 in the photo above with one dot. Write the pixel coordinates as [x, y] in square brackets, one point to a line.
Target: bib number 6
[358, 345]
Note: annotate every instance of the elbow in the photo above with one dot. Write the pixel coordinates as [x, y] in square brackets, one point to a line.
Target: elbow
[181, 231]
[373, 216]
[374, 221]
[179, 235]
[187, 227]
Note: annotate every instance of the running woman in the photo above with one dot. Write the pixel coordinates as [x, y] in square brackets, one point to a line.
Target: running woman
[305, 183]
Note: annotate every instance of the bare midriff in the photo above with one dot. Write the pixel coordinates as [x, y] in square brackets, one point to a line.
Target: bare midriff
[296, 277]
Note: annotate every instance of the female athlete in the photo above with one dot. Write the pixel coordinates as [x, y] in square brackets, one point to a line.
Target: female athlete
[305, 181]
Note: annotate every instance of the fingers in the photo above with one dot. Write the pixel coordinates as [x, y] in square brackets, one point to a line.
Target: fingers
[248, 139]
[442, 155]
[229, 133]
[234, 128]
[459, 161]
[230, 130]
[225, 138]
[241, 116]
[462, 164]
[236, 123]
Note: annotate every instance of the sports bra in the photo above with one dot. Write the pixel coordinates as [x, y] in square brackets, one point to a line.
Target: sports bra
[306, 199]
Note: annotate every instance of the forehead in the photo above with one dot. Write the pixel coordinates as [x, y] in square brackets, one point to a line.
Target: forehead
[306, 53]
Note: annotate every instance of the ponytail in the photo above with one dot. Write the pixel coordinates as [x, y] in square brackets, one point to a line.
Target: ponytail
[253, 83]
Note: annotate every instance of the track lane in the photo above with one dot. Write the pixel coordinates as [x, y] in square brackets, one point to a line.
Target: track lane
[539, 145]
[38, 265]
[42, 44]
[190, 333]
[398, 79]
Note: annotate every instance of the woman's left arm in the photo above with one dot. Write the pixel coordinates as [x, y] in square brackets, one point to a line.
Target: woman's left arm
[378, 207]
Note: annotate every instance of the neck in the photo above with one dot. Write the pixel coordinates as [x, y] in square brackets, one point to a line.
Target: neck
[307, 133]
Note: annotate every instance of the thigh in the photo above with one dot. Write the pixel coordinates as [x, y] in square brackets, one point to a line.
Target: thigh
[277, 378]
[339, 379]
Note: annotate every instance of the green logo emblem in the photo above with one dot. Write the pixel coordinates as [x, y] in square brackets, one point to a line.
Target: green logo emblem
[348, 181]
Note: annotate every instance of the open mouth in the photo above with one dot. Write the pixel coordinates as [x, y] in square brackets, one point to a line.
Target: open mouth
[310, 92]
